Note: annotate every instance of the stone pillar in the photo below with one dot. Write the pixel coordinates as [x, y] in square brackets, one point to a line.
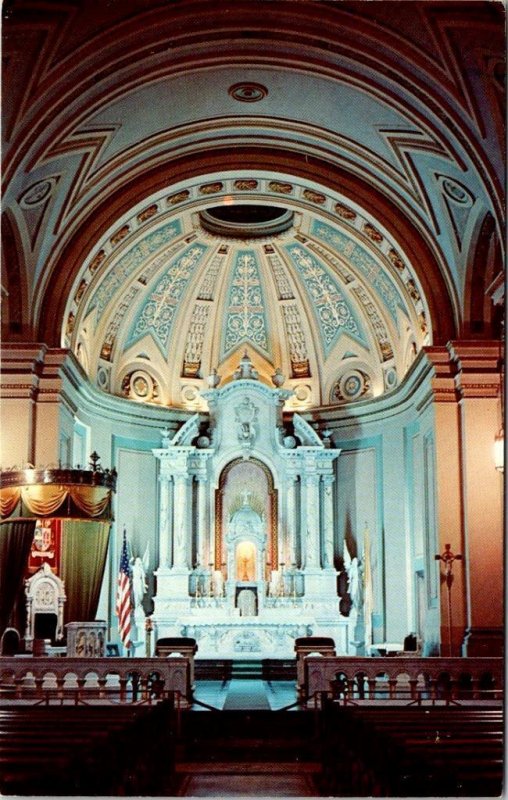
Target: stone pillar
[165, 522]
[181, 511]
[327, 555]
[478, 382]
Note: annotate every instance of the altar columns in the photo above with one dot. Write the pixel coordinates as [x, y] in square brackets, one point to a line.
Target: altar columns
[203, 525]
[165, 522]
[328, 533]
[290, 554]
[182, 507]
[312, 521]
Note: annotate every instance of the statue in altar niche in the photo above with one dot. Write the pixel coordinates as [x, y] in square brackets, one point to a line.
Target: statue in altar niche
[246, 541]
[246, 415]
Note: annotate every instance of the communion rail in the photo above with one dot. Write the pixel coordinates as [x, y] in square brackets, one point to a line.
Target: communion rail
[411, 679]
[120, 680]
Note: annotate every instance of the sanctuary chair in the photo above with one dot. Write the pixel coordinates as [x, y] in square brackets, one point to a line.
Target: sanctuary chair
[45, 598]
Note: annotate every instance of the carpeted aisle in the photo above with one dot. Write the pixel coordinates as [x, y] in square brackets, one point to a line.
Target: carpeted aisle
[246, 694]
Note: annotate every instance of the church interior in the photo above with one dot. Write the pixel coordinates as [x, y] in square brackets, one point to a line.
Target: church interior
[252, 396]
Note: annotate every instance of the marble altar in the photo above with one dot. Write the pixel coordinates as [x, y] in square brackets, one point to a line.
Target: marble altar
[246, 526]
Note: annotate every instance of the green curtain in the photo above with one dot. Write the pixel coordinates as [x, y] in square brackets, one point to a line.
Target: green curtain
[15, 540]
[83, 559]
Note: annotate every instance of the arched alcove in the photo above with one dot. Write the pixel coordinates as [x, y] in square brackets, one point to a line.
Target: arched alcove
[237, 478]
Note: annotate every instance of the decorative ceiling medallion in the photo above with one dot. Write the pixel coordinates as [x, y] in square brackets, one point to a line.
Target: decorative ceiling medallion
[457, 192]
[351, 386]
[36, 193]
[140, 386]
[248, 92]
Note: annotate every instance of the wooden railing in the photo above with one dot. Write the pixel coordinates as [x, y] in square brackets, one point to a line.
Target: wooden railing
[120, 679]
[402, 678]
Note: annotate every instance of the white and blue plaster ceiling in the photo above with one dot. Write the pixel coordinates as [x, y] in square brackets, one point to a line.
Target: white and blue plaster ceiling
[377, 127]
[316, 290]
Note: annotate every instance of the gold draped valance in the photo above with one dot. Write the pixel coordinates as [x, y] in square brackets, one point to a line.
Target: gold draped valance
[45, 499]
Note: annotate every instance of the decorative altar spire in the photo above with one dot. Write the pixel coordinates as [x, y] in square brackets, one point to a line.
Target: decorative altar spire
[245, 369]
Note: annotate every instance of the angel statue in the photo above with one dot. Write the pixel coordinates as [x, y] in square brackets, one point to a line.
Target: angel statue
[139, 584]
[355, 587]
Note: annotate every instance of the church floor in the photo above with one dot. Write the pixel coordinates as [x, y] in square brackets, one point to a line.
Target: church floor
[247, 694]
[246, 750]
[248, 785]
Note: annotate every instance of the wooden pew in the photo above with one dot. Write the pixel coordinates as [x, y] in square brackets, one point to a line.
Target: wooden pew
[401, 751]
[80, 750]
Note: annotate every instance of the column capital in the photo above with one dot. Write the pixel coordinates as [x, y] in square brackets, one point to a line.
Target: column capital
[478, 367]
[443, 381]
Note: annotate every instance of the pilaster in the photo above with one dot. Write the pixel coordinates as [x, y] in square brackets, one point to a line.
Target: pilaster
[477, 381]
[448, 508]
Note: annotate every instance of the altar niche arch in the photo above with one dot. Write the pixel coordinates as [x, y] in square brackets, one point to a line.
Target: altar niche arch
[252, 476]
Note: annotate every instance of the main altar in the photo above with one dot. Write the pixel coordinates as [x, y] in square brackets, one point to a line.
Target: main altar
[246, 526]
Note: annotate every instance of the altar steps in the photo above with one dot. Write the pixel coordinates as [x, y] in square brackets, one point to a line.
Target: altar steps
[267, 669]
[251, 752]
[247, 670]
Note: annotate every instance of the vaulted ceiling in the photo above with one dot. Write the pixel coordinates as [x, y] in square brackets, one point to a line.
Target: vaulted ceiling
[363, 143]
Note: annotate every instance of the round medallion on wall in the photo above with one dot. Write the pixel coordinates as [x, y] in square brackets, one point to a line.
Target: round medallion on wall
[248, 92]
[190, 393]
[141, 386]
[103, 379]
[350, 387]
[302, 393]
[390, 378]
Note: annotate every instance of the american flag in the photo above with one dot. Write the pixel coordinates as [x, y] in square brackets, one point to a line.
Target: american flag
[123, 596]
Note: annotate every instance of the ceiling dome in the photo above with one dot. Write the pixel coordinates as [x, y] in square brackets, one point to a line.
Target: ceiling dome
[304, 282]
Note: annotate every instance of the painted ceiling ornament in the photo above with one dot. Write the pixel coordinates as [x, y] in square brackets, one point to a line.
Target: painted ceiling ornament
[246, 415]
[457, 191]
[36, 193]
[248, 92]
[351, 386]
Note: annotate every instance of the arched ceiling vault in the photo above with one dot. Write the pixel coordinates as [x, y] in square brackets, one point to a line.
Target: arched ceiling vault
[395, 117]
